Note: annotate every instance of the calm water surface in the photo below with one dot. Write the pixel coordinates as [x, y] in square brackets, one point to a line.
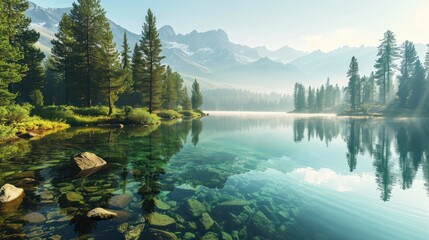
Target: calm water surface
[227, 176]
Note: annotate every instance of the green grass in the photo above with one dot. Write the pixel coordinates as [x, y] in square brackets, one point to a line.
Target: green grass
[169, 114]
[190, 114]
[140, 116]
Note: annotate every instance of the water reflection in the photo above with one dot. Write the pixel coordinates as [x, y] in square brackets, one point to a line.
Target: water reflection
[408, 138]
[261, 177]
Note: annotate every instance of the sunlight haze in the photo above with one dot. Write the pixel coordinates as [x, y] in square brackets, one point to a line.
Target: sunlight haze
[306, 25]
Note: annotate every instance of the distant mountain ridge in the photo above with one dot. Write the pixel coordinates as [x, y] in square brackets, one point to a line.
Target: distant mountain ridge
[218, 63]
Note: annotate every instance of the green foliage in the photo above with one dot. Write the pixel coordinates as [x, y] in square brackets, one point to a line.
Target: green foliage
[141, 116]
[36, 97]
[190, 114]
[186, 102]
[354, 84]
[7, 132]
[13, 114]
[168, 114]
[67, 114]
[299, 97]
[91, 111]
[409, 58]
[197, 97]
[388, 52]
[150, 44]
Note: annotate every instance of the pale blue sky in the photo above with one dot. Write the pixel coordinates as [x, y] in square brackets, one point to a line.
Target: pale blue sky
[305, 24]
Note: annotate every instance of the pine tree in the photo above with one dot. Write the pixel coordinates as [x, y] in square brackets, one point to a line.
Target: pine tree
[125, 53]
[62, 56]
[311, 100]
[111, 75]
[197, 97]
[353, 84]
[409, 58]
[127, 67]
[186, 102]
[137, 72]
[417, 86]
[387, 54]
[321, 99]
[169, 93]
[151, 47]
[9, 68]
[88, 18]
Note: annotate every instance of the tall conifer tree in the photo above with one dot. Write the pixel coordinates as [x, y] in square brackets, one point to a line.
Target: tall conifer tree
[152, 79]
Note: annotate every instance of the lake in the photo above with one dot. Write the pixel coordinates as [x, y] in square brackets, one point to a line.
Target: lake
[227, 176]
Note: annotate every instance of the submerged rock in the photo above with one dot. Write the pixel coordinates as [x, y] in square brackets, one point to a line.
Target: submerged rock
[100, 213]
[234, 203]
[158, 219]
[87, 160]
[210, 236]
[134, 234]
[262, 224]
[121, 201]
[206, 221]
[162, 205]
[73, 197]
[26, 182]
[34, 217]
[9, 192]
[162, 235]
[195, 207]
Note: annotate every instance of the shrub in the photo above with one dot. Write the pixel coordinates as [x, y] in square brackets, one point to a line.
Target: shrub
[7, 132]
[190, 114]
[92, 111]
[36, 97]
[13, 114]
[142, 117]
[169, 114]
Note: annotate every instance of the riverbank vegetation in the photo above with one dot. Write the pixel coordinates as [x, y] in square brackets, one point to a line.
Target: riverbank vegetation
[391, 90]
[85, 80]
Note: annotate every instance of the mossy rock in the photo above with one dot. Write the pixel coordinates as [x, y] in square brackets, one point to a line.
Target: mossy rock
[158, 219]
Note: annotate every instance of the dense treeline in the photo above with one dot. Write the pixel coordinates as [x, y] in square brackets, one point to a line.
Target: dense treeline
[88, 70]
[245, 100]
[379, 88]
[84, 70]
[316, 100]
[412, 89]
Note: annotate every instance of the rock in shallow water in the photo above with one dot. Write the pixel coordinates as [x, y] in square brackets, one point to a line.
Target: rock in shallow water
[87, 160]
[206, 221]
[34, 217]
[162, 235]
[121, 201]
[100, 213]
[8, 193]
[158, 219]
[195, 207]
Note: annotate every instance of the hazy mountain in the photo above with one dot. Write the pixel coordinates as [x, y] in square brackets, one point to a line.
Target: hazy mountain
[284, 54]
[45, 21]
[218, 63]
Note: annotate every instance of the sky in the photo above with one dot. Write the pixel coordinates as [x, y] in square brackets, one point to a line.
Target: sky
[305, 25]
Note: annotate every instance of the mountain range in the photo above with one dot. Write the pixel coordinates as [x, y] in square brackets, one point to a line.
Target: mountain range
[219, 63]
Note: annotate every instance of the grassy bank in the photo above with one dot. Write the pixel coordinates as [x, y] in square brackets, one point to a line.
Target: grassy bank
[15, 120]
[391, 110]
[172, 114]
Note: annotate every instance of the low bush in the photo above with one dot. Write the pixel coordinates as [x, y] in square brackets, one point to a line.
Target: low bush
[13, 114]
[7, 132]
[92, 111]
[168, 114]
[190, 114]
[141, 116]
[67, 114]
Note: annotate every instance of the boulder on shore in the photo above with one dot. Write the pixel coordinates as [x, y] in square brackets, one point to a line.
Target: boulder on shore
[87, 160]
[9, 192]
[100, 213]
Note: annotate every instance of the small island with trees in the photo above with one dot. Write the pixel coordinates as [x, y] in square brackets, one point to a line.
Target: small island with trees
[85, 81]
[376, 94]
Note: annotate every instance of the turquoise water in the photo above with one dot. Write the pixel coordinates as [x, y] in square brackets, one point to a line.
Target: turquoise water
[228, 176]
